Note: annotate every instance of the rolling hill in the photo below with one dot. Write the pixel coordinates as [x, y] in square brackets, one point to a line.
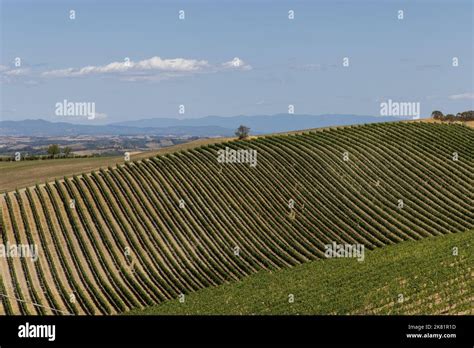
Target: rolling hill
[414, 277]
[27, 173]
[151, 230]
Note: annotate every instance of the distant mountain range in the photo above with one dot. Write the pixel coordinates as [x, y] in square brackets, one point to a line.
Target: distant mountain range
[209, 126]
[42, 128]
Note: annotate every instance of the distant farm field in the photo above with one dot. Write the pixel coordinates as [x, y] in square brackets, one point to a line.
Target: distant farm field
[152, 230]
[28, 173]
[431, 276]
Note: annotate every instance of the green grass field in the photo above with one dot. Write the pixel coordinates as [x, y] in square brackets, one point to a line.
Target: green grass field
[426, 273]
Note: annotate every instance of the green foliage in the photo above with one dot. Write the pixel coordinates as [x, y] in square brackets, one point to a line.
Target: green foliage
[427, 274]
[67, 151]
[242, 132]
[437, 115]
[53, 150]
[460, 116]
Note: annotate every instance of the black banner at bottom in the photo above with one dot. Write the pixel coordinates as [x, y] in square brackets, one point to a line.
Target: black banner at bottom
[240, 330]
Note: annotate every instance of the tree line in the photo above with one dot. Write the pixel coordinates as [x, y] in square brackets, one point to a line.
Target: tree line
[54, 151]
[460, 116]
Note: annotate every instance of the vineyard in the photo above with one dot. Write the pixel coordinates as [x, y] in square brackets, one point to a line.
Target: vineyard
[149, 231]
[412, 278]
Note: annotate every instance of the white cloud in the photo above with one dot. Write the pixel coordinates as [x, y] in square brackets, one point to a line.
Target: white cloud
[461, 96]
[236, 64]
[177, 64]
[154, 63]
[154, 68]
[7, 74]
[151, 69]
[16, 72]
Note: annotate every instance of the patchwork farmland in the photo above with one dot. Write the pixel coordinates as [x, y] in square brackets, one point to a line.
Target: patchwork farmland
[146, 232]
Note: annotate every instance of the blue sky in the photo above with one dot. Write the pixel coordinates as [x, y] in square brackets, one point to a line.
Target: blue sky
[233, 57]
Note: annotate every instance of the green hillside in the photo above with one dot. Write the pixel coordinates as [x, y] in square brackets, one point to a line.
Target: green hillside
[428, 274]
[149, 231]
